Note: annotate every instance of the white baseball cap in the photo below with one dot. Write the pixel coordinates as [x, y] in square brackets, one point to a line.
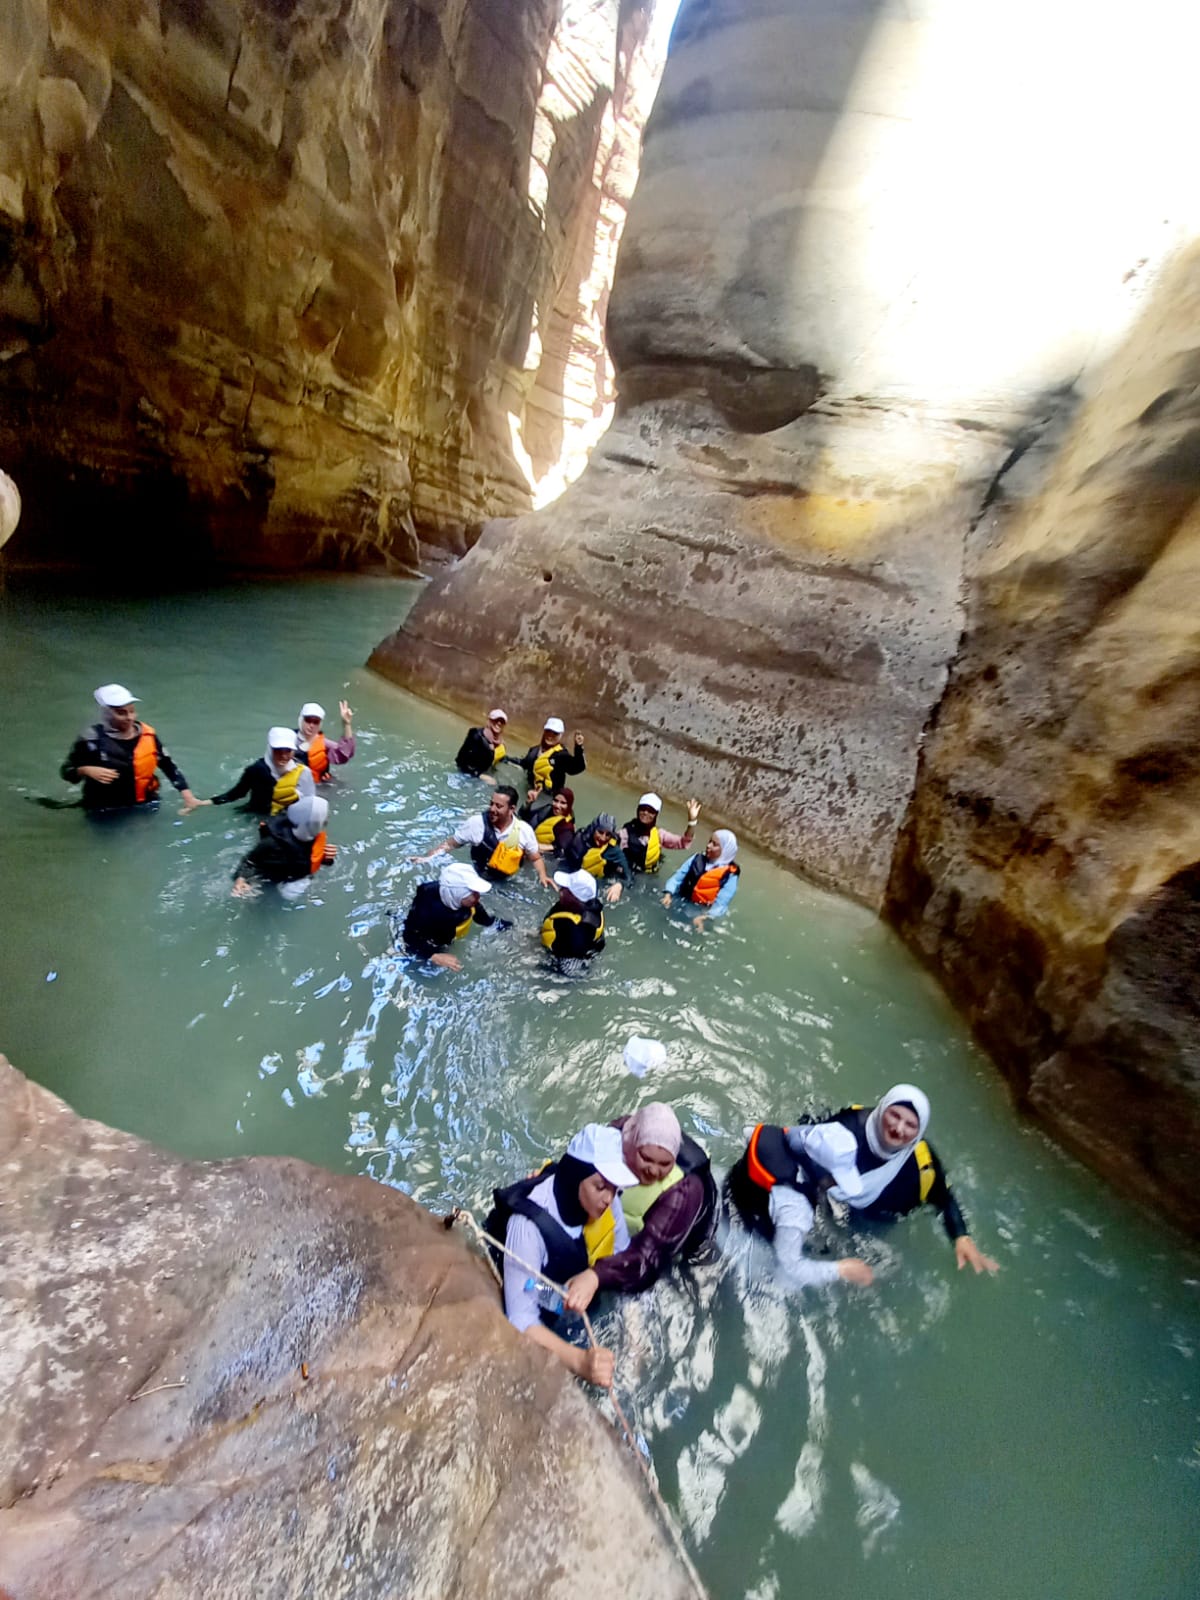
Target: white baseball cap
[581, 884]
[600, 1147]
[554, 725]
[651, 800]
[310, 708]
[114, 694]
[497, 715]
[281, 739]
[643, 1055]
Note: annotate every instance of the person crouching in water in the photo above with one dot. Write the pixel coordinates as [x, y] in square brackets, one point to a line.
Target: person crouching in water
[644, 841]
[709, 880]
[552, 818]
[317, 752]
[444, 911]
[573, 929]
[273, 782]
[670, 1213]
[559, 1222]
[597, 849]
[775, 1186]
[292, 849]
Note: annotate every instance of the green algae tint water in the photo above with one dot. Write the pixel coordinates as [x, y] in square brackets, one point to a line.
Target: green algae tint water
[1030, 1435]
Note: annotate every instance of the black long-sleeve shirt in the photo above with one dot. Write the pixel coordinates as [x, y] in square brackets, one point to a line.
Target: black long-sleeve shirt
[431, 925]
[475, 755]
[98, 746]
[278, 857]
[257, 782]
[563, 764]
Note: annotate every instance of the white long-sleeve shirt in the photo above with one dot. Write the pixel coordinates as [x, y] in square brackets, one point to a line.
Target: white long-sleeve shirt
[793, 1218]
[523, 1299]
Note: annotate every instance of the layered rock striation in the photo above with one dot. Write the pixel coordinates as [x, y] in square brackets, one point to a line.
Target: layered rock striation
[331, 1401]
[306, 282]
[876, 355]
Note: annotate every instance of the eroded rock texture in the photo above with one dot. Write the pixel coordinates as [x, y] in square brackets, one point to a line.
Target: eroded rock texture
[859, 315]
[302, 280]
[430, 1452]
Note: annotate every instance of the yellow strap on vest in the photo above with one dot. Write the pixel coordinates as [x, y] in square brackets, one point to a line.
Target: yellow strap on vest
[548, 928]
[286, 790]
[543, 774]
[636, 1202]
[925, 1168]
[544, 832]
[599, 1234]
[593, 861]
[500, 754]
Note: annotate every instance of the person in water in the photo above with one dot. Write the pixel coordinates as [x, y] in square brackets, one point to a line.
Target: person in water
[596, 849]
[709, 880]
[558, 1222]
[270, 784]
[483, 748]
[644, 841]
[292, 849]
[775, 1186]
[548, 765]
[118, 759]
[552, 818]
[669, 1213]
[500, 842]
[317, 752]
[444, 911]
[573, 928]
[898, 1170]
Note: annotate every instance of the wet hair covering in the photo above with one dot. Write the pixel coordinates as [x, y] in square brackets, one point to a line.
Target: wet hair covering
[729, 847]
[457, 881]
[873, 1183]
[653, 1124]
[308, 816]
[607, 821]
[281, 739]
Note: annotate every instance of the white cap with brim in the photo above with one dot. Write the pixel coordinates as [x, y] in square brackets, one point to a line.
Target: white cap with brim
[310, 708]
[644, 1055]
[463, 878]
[281, 739]
[600, 1147]
[554, 725]
[651, 800]
[113, 695]
[497, 715]
[581, 884]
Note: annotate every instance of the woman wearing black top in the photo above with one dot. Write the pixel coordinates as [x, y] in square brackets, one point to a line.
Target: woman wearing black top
[118, 760]
[444, 911]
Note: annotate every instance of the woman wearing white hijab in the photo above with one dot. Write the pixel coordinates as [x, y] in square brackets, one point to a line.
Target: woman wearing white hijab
[898, 1169]
[443, 911]
[292, 849]
[317, 752]
[708, 880]
[270, 784]
[117, 760]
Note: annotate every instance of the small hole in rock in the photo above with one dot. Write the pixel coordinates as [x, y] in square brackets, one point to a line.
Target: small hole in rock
[547, 577]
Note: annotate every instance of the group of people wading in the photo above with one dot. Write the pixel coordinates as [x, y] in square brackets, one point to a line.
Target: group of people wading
[118, 759]
[628, 1200]
[598, 860]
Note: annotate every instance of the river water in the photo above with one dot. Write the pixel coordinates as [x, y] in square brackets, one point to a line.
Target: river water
[1032, 1434]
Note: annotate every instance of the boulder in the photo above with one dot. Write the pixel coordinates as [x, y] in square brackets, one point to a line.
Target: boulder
[331, 1401]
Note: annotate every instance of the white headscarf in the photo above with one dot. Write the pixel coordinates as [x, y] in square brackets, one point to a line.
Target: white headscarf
[729, 847]
[277, 739]
[310, 708]
[457, 881]
[877, 1180]
[308, 816]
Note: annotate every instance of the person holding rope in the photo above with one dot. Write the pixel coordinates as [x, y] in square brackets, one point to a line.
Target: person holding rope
[557, 1223]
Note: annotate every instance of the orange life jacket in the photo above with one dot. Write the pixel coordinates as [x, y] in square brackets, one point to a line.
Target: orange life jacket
[317, 857]
[318, 759]
[708, 885]
[145, 766]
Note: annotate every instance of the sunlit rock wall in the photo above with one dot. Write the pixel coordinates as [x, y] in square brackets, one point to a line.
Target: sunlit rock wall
[303, 281]
[255, 1378]
[883, 262]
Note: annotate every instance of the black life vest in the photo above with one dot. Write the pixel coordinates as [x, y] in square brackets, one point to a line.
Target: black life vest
[564, 1256]
[694, 1158]
[767, 1160]
[574, 934]
[500, 854]
[643, 846]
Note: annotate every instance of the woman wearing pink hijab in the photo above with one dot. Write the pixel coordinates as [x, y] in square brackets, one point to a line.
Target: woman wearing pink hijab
[670, 1213]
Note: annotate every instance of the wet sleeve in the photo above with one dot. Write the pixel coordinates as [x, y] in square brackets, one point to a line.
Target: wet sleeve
[416, 934]
[724, 895]
[615, 857]
[941, 1198]
[483, 919]
[521, 1305]
[248, 866]
[793, 1218]
[664, 1233]
[240, 788]
[82, 754]
[574, 760]
[672, 884]
[465, 760]
[340, 751]
[174, 776]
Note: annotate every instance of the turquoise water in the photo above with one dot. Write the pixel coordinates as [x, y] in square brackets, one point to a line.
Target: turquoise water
[1036, 1433]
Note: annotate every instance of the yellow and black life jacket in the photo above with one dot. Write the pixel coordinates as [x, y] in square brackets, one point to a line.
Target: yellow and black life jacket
[287, 790]
[593, 923]
[543, 767]
[545, 830]
[594, 861]
[599, 1234]
[145, 765]
[643, 851]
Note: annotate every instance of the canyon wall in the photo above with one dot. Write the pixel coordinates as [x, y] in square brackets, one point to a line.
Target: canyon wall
[254, 1378]
[306, 282]
[901, 324]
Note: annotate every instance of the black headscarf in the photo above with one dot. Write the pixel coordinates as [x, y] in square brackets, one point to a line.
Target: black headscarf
[569, 1173]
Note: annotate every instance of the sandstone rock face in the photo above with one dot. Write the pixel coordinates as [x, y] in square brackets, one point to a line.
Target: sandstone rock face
[857, 320]
[303, 280]
[430, 1451]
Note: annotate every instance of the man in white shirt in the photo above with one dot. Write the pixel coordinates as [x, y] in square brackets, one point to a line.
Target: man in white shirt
[500, 842]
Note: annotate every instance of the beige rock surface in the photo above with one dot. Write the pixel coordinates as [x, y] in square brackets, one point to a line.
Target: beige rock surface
[304, 280]
[430, 1452]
